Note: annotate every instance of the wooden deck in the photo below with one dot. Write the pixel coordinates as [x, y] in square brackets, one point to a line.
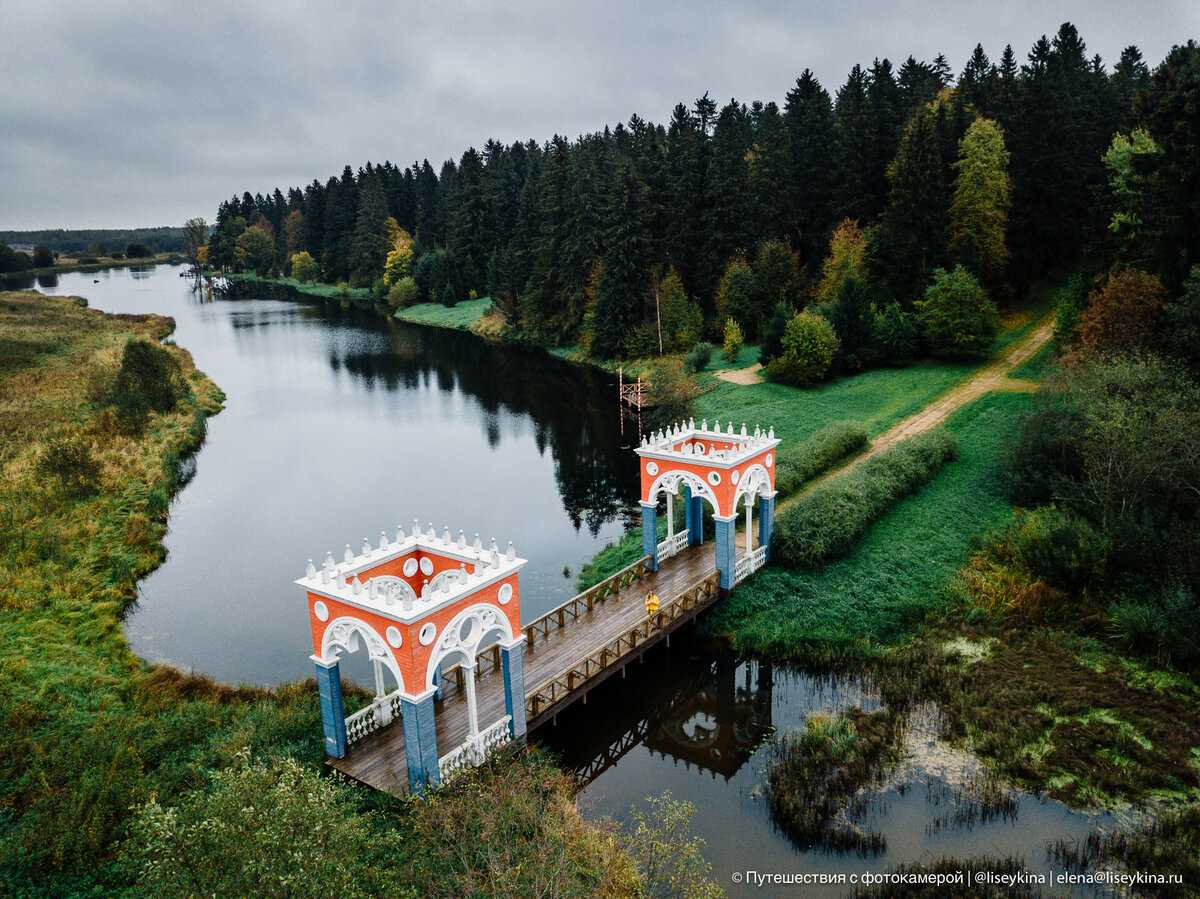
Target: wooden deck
[568, 652]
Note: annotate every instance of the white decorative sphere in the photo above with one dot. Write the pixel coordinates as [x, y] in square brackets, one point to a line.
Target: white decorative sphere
[427, 633]
[394, 637]
[321, 610]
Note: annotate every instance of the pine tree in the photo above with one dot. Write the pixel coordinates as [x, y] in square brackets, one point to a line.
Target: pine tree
[977, 83]
[370, 245]
[625, 277]
[852, 141]
[465, 238]
[885, 116]
[980, 204]
[1130, 77]
[770, 162]
[727, 207]
[808, 115]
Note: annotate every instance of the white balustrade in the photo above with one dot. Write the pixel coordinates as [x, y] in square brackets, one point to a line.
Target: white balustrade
[672, 545]
[475, 750]
[749, 563]
[381, 712]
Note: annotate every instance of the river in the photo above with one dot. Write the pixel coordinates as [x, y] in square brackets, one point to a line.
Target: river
[339, 423]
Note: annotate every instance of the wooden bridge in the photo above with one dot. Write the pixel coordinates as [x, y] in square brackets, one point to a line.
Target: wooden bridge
[569, 651]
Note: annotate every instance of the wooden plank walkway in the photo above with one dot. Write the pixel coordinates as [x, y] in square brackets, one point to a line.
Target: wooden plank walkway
[553, 655]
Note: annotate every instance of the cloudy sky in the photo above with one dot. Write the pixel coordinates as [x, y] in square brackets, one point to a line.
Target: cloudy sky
[138, 114]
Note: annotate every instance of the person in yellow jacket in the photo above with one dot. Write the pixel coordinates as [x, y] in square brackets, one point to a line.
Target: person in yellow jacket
[652, 603]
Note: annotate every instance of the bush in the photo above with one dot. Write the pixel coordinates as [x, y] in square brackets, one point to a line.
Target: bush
[641, 341]
[826, 523]
[773, 331]
[149, 380]
[69, 460]
[343, 289]
[737, 292]
[42, 257]
[957, 317]
[1069, 302]
[403, 293]
[137, 251]
[1060, 548]
[1165, 626]
[809, 345]
[1123, 314]
[699, 356]
[682, 319]
[304, 267]
[893, 336]
[799, 463]
[239, 838]
[732, 342]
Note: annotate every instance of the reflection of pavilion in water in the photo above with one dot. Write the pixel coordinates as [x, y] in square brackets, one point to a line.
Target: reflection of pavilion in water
[711, 712]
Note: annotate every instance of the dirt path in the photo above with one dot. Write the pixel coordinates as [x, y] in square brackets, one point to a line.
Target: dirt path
[751, 374]
[995, 375]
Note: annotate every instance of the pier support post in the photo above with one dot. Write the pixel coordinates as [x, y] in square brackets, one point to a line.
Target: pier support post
[766, 521]
[333, 710]
[650, 533]
[420, 741]
[512, 664]
[726, 548]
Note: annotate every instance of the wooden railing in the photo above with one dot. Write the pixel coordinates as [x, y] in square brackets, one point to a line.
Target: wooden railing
[556, 688]
[577, 606]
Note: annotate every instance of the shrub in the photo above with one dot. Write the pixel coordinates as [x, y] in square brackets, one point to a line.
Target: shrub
[809, 345]
[1165, 626]
[669, 387]
[847, 259]
[1182, 322]
[149, 380]
[957, 317]
[403, 293]
[682, 319]
[1059, 547]
[42, 257]
[641, 341]
[737, 292]
[343, 289]
[732, 342]
[304, 267]
[893, 336]
[448, 297]
[1069, 302]
[826, 523]
[798, 463]
[1123, 314]
[238, 837]
[699, 356]
[852, 317]
[137, 251]
[773, 331]
[669, 858]
[70, 461]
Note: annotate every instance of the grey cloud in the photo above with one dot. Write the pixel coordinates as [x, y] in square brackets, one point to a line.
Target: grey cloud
[138, 114]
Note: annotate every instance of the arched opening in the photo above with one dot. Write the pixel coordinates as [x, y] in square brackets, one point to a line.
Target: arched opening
[365, 661]
[467, 634]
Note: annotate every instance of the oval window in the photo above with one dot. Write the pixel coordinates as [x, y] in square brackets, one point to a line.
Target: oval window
[652, 468]
[427, 633]
[714, 478]
[505, 594]
[427, 565]
[410, 567]
[394, 637]
[321, 610]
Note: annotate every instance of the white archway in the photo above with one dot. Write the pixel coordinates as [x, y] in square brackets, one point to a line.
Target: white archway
[670, 481]
[346, 634]
[754, 481]
[464, 636]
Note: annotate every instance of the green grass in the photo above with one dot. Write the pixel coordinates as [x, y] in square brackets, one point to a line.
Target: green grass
[308, 288]
[747, 356]
[900, 569]
[876, 399]
[1039, 367]
[460, 316]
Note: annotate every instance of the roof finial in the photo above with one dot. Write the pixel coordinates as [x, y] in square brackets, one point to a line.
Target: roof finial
[311, 570]
[477, 545]
[383, 540]
[446, 534]
[512, 552]
[462, 540]
[399, 534]
[348, 556]
[356, 585]
[366, 550]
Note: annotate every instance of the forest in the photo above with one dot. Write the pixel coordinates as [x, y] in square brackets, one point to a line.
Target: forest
[905, 194]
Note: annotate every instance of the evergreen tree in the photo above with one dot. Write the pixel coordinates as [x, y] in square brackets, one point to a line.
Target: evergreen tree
[808, 115]
[852, 143]
[977, 83]
[885, 116]
[466, 229]
[770, 165]
[911, 239]
[625, 277]
[727, 207]
[979, 206]
[370, 245]
[1130, 77]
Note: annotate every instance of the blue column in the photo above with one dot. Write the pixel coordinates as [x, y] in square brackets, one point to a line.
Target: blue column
[512, 663]
[420, 742]
[333, 711]
[696, 535]
[650, 534]
[726, 549]
[766, 522]
[439, 689]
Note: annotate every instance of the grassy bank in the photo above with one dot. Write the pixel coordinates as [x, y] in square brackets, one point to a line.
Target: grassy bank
[462, 316]
[92, 733]
[91, 264]
[898, 572]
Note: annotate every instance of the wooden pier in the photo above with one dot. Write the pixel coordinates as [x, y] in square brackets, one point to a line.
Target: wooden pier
[569, 651]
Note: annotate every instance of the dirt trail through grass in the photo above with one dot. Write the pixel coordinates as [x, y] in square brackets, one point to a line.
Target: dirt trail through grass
[995, 375]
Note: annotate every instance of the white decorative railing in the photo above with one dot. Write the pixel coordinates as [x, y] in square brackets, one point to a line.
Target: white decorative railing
[749, 563]
[381, 712]
[475, 750]
[671, 546]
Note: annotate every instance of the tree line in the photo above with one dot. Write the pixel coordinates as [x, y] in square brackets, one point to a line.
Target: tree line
[645, 237]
